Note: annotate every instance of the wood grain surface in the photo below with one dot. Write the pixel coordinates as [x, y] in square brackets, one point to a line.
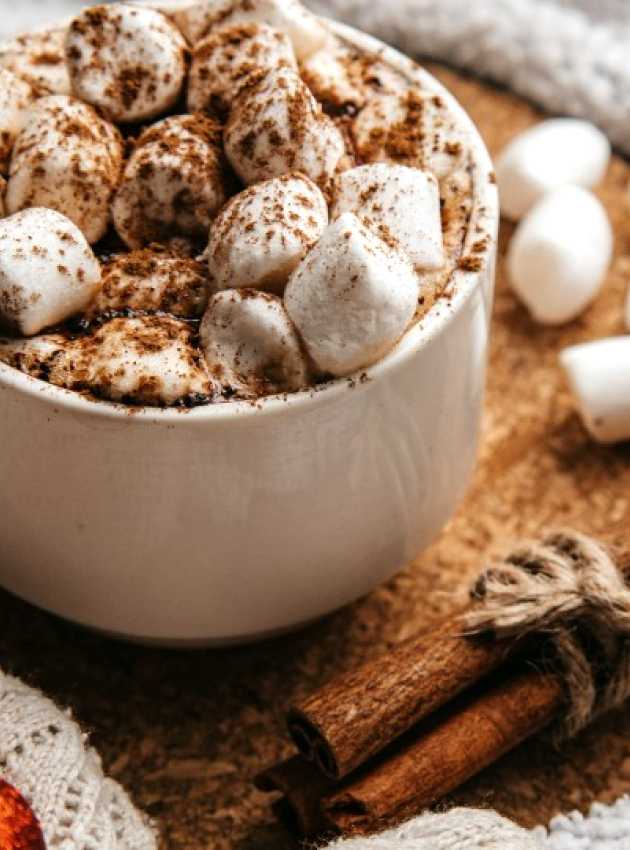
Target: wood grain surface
[186, 732]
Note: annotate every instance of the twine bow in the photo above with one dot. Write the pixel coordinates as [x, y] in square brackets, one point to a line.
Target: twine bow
[568, 587]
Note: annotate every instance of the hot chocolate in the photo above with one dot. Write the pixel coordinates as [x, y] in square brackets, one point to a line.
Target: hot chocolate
[267, 217]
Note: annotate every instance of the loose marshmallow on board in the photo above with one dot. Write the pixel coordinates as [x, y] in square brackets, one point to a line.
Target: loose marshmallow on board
[15, 99]
[47, 270]
[68, 159]
[599, 376]
[554, 153]
[558, 257]
[351, 298]
[401, 204]
[276, 126]
[40, 59]
[142, 360]
[173, 183]
[128, 61]
[263, 233]
[152, 280]
[412, 128]
[250, 345]
[226, 60]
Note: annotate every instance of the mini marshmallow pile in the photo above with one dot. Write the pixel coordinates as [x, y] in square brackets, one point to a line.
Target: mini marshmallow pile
[559, 254]
[314, 264]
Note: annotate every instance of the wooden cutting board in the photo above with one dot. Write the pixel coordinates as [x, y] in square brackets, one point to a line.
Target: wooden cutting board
[187, 731]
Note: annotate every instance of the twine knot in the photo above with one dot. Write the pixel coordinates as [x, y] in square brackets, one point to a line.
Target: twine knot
[568, 587]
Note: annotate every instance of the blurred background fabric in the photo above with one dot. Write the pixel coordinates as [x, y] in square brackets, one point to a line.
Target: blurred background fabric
[569, 56]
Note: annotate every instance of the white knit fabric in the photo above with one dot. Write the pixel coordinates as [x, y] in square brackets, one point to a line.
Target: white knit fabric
[44, 755]
[604, 828]
[457, 829]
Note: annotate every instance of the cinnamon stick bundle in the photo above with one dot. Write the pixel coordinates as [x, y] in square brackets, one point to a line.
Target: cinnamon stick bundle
[393, 737]
[425, 765]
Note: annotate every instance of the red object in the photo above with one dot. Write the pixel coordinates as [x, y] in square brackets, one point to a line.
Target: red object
[19, 828]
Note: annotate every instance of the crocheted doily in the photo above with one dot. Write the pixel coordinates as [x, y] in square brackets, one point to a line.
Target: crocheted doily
[43, 754]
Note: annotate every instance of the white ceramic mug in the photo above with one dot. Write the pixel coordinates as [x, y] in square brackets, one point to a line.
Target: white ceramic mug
[231, 522]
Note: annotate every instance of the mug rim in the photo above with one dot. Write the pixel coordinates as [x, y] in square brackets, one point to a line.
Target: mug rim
[485, 210]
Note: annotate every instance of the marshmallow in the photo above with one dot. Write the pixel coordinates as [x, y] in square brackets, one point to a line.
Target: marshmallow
[250, 345]
[263, 233]
[68, 159]
[276, 126]
[224, 62]
[128, 61]
[3, 192]
[15, 98]
[351, 298]
[558, 257]
[189, 16]
[627, 311]
[304, 29]
[401, 204]
[599, 376]
[344, 78]
[413, 128]
[152, 281]
[35, 356]
[173, 183]
[47, 270]
[143, 360]
[554, 153]
[40, 59]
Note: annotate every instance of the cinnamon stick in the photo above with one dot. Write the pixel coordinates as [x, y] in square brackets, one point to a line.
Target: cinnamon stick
[304, 788]
[425, 765]
[354, 717]
[441, 758]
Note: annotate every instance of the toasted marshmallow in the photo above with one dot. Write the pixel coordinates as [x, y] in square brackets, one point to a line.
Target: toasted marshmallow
[351, 298]
[558, 257]
[599, 376]
[627, 310]
[174, 182]
[3, 192]
[226, 60]
[68, 159]
[15, 99]
[40, 59]
[305, 30]
[400, 204]
[47, 270]
[150, 281]
[554, 153]
[128, 61]
[412, 128]
[143, 360]
[276, 126]
[263, 233]
[36, 356]
[250, 345]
